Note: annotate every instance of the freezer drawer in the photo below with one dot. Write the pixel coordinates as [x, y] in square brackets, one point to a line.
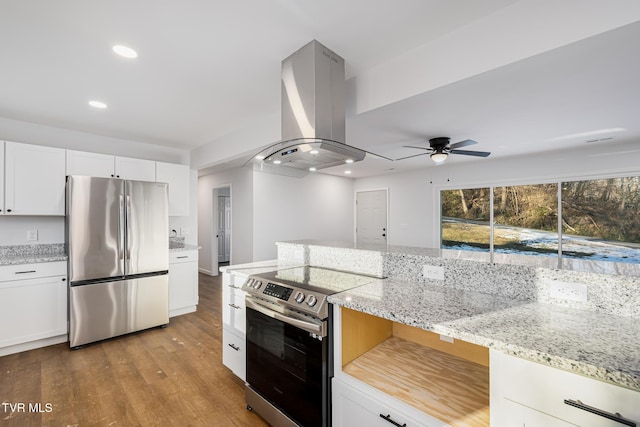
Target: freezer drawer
[104, 310]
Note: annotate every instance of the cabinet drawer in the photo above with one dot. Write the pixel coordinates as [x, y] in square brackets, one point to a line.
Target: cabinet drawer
[32, 271]
[233, 353]
[545, 389]
[183, 256]
[353, 407]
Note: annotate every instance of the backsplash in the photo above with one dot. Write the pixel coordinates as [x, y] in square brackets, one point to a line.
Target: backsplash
[613, 294]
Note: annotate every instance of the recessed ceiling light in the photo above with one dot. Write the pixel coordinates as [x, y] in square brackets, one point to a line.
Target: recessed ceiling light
[312, 169]
[98, 104]
[260, 157]
[347, 172]
[276, 162]
[125, 51]
[349, 161]
[314, 152]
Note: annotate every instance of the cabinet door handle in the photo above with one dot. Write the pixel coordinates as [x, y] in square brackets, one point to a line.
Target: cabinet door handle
[185, 256]
[392, 421]
[234, 287]
[235, 347]
[25, 272]
[615, 417]
[237, 307]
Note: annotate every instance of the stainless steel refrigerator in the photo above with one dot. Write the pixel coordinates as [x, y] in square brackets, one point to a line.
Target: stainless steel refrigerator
[118, 246]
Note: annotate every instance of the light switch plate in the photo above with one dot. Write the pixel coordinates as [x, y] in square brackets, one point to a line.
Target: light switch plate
[32, 235]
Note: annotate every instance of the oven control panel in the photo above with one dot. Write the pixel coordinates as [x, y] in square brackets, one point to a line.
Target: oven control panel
[294, 297]
[277, 291]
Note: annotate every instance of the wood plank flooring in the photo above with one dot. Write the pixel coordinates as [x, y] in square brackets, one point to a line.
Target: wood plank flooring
[160, 377]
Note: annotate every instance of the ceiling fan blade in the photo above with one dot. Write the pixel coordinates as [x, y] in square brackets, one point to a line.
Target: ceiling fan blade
[419, 148]
[415, 155]
[471, 153]
[464, 143]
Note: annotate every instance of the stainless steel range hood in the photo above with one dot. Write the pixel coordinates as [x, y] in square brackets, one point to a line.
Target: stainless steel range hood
[313, 116]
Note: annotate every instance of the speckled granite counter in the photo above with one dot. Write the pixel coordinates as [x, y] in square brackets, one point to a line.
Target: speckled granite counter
[506, 307]
[179, 247]
[30, 254]
[596, 345]
[258, 267]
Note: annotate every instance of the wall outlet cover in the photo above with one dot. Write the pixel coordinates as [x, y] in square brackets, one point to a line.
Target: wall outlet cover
[568, 291]
[32, 235]
[434, 272]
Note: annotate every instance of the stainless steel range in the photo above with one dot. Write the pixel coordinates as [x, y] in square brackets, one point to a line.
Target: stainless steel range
[290, 343]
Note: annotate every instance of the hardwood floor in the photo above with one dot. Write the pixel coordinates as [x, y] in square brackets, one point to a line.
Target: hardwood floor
[160, 377]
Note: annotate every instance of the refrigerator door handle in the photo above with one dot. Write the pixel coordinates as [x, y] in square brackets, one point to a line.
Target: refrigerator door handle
[129, 234]
[121, 226]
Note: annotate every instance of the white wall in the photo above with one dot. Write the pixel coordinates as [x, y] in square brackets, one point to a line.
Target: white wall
[30, 133]
[241, 183]
[13, 229]
[313, 207]
[414, 210]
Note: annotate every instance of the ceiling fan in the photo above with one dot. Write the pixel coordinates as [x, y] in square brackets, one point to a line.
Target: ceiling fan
[440, 149]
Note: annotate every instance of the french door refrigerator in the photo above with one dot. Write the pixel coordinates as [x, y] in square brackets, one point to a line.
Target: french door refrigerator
[118, 246]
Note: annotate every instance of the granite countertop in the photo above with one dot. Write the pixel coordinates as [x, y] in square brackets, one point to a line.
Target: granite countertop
[597, 345]
[31, 254]
[258, 267]
[179, 247]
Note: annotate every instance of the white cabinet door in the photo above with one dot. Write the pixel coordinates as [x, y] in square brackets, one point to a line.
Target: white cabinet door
[135, 169]
[34, 179]
[234, 353]
[33, 308]
[177, 176]
[183, 282]
[90, 164]
[1, 177]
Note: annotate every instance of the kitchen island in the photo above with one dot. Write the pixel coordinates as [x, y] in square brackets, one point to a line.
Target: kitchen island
[592, 347]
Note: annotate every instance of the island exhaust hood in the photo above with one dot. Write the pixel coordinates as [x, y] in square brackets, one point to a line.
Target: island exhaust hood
[313, 116]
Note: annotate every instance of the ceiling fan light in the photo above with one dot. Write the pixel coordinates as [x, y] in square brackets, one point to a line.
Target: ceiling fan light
[439, 157]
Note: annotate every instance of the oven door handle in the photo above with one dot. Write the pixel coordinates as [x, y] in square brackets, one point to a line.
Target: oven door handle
[314, 328]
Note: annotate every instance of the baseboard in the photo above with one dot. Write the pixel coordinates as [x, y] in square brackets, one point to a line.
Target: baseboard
[31, 345]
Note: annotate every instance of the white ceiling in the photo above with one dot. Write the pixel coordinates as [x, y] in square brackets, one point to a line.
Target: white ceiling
[207, 68]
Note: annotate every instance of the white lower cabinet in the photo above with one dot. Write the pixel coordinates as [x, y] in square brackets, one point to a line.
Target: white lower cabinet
[525, 393]
[353, 407]
[183, 282]
[33, 306]
[234, 324]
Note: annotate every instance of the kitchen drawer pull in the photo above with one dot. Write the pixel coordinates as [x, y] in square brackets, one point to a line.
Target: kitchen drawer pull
[25, 272]
[235, 287]
[237, 307]
[395, 423]
[184, 256]
[235, 347]
[615, 417]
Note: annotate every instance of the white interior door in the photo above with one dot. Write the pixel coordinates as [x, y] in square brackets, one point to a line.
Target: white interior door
[371, 217]
[220, 232]
[227, 229]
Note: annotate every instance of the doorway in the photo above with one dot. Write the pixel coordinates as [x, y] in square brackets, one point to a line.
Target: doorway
[371, 217]
[221, 208]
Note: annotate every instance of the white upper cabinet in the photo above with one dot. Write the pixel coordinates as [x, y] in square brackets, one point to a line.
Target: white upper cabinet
[1, 177]
[90, 164]
[106, 166]
[34, 179]
[135, 169]
[177, 176]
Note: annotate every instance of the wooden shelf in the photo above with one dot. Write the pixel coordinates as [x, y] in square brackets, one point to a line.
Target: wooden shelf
[442, 385]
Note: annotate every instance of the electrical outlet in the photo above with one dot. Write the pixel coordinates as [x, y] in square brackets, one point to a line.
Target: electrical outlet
[568, 291]
[184, 231]
[32, 235]
[446, 338]
[433, 272]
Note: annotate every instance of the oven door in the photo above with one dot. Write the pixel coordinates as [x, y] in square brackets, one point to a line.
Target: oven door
[288, 363]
